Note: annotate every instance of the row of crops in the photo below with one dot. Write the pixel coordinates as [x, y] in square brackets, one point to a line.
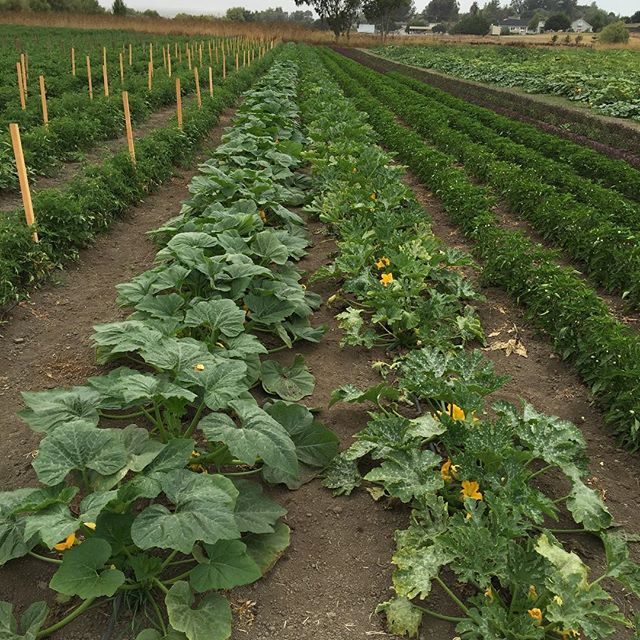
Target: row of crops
[606, 80]
[70, 216]
[149, 473]
[84, 76]
[438, 138]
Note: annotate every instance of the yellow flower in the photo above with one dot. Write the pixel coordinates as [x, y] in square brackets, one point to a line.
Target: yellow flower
[470, 489]
[533, 594]
[448, 471]
[558, 600]
[66, 544]
[263, 215]
[90, 525]
[455, 411]
[373, 196]
[197, 467]
[536, 614]
[569, 633]
[383, 262]
[488, 593]
[467, 516]
[199, 367]
[354, 170]
[386, 279]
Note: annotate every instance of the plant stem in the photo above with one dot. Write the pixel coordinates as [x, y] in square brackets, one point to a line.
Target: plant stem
[168, 560]
[540, 471]
[66, 620]
[175, 563]
[156, 608]
[180, 577]
[122, 416]
[452, 595]
[194, 422]
[438, 616]
[243, 473]
[44, 558]
[160, 585]
[558, 500]
[276, 349]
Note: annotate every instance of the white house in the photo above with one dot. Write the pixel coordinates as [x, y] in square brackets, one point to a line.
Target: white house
[366, 28]
[513, 25]
[581, 26]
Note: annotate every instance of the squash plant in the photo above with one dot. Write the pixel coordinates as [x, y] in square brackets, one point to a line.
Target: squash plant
[148, 473]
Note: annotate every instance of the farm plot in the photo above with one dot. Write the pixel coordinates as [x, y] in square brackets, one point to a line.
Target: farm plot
[167, 513]
[607, 81]
[83, 77]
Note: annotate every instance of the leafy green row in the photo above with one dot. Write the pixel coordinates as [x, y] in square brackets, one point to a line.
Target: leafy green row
[470, 479]
[605, 352]
[531, 148]
[610, 252]
[69, 217]
[167, 510]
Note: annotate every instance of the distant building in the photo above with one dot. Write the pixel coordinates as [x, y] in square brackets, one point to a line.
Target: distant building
[366, 28]
[414, 29]
[581, 26]
[513, 25]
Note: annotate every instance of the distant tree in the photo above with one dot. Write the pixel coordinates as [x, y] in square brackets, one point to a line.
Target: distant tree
[596, 17]
[634, 18]
[557, 22]
[472, 25]
[238, 14]
[493, 12]
[439, 28]
[536, 19]
[474, 9]
[338, 15]
[119, 8]
[386, 14]
[151, 13]
[615, 32]
[305, 18]
[441, 10]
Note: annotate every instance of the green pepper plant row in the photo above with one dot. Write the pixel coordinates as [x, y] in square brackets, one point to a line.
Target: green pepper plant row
[469, 476]
[610, 251]
[69, 217]
[604, 351]
[165, 510]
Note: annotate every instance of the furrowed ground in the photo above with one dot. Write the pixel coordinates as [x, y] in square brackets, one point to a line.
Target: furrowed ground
[312, 296]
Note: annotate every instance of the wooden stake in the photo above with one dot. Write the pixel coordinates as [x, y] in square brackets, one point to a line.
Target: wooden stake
[217, 59]
[23, 102]
[23, 64]
[73, 61]
[105, 80]
[244, 57]
[104, 56]
[150, 76]
[43, 100]
[210, 53]
[22, 177]
[164, 56]
[127, 124]
[130, 54]
[224, 66]
[169, 63]
[189, 56]
[121, 68]
[151, 56]
[200, 54]
[179, 103]
[237, 62]
[211, 82]
[197, 80]
[89, 78]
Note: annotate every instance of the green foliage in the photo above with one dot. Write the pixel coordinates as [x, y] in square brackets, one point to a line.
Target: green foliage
[614, 33]
[471, 24]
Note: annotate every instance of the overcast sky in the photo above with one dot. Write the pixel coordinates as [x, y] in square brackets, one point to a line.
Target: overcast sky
[171, 7]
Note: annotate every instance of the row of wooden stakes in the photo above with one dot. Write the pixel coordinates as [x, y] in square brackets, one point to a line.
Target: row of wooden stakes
[16, 141]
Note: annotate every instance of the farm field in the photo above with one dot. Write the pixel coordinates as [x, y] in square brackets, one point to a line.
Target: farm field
[305, 410]
[607, 81]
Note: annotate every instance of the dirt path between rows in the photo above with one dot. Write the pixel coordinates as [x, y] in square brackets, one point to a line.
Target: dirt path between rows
[11, 200]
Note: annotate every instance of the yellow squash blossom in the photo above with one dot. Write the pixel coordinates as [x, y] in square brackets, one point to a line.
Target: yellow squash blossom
[448, 470]
[386, 279]
[199, 367]
[90, 525]
[455, 412]
[263, 215]
[558, 600]
[470, 489]
[569, 633]
[66, 544]
[533, 594]
[488, 593]
[373, 196]
[536, 614]
[383, 262]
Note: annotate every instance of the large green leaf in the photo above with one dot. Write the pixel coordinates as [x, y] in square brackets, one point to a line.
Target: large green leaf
[12, 538]
[254, 512]
[83, 573]
[222, 382]
[210, 620]
[267, 245]
[47, 410]
[78, 446]
[119, 338]
[586, 505]
[204, 511]
[222, 316]
[258, 437]
[567, 563]
[266, 548]
[51, 525]
[619, 565]
[402, 617]
[225, 565]
[408, 474]
[31, 621]
[290, 383]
